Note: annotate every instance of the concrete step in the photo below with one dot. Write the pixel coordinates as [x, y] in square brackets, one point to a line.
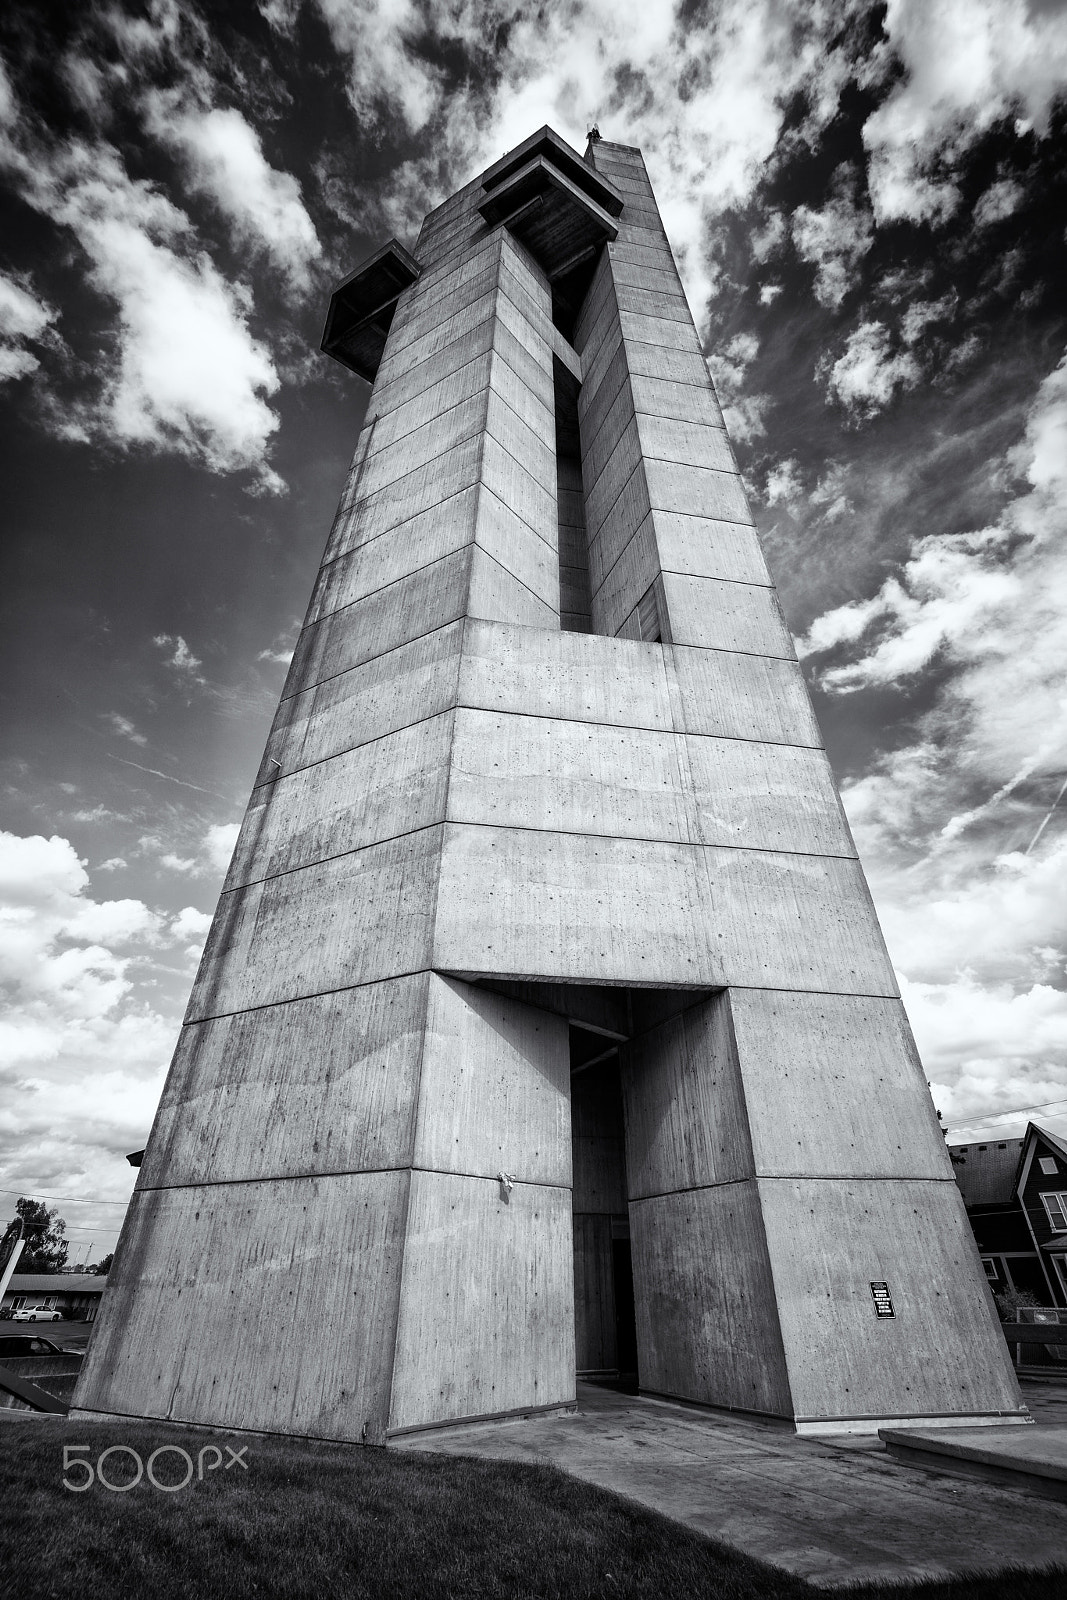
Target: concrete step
[1032, 1459]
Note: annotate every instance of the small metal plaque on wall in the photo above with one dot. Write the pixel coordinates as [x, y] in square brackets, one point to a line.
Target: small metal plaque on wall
[883, 1300]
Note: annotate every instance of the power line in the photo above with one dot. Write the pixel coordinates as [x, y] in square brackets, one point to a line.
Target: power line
[994, 1116]
[68, 1199]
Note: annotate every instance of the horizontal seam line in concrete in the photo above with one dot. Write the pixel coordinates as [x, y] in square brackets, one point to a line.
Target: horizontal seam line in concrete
[365, 544]
[526, 827]
[713, 577]
[538, 322]
[360, 744]
[489, 556]
[603, 520]
[423, 466]
[790, 1177]
[312, 994]
[437, 416]
[485, 488]
[343, 1172]
[388, 651]
[338, 855]
[701, 578]
[392, 584]
[624, 382]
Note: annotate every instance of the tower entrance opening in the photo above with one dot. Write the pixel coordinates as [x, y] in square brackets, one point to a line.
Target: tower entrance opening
[605, 1332]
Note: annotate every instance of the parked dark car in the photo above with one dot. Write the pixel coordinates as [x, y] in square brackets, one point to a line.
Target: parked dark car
[28, 1344]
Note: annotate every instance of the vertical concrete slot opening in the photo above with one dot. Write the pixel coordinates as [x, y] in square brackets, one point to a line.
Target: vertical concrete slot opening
[575, 608]
[605, 1331]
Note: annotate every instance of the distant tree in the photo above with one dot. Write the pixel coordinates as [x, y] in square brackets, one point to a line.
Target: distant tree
[45, 1249]
[101, 1267]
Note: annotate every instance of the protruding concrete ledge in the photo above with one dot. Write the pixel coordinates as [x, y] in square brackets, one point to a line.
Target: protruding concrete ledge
[362, 306]
[1033, 1459]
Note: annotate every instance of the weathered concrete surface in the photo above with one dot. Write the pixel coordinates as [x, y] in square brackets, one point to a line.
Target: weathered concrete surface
[461, 788]
[826, 1512]
[1033, 1460]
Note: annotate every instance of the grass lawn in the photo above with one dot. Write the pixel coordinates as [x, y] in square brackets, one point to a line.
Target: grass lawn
[307, 1520]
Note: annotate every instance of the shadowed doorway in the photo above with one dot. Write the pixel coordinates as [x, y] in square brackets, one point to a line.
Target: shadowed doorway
[605, 1332]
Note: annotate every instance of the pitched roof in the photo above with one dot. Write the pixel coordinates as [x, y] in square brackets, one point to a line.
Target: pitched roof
[56, 1282]
[988, 1171]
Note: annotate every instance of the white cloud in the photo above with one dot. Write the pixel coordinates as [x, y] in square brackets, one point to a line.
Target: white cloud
[180, 658]
[225, 160]
[122, 725]
[186, 374]
[83, 1043]
[24, 319]
[967, 64]
[998, 202]
[868, 375]
[834, 239]
[784, 483]
[219, 842]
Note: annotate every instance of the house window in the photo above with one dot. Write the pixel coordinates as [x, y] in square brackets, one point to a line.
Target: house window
[1056, 1206]
[990, 1268]
[1047, 1165]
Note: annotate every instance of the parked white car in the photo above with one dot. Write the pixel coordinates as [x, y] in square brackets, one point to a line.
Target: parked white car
[36, 1314]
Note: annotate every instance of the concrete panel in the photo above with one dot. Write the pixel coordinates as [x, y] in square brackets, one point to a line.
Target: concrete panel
[726, 616]
[657, 256]
[834, 1085]
[688, 402]
[516, 547]
[692, 444]
[532, 370]
[575, 777]
[388, 463]
[629, 577]
[605, 487]
[697, 491]
[509, 446]
[394, 387]
[499, 596]
[686, 1125]
[525, 402]
[706, 1316]
[942, 1351]
[323, 1085]
[703, 547]
[609, 538]
[421, 603]
[660, 279]
[796, 922]
[451, 295]
[378, 562]
[533, 498]
[391, 691]
[664, 301]
[571, 676]
[495, 1089]
[433, 401]
[379, 790]
[659, 361]
[603, 440]
[766, 797]
[594, 404]
[487, 1304]
[216, 1289]
[563, 906]
[663, 332]
[741, 697]
[357, 919]
[424, 486]
[460, 326]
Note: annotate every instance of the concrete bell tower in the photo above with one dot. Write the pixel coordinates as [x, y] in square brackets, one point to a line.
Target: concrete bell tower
[545, 1022]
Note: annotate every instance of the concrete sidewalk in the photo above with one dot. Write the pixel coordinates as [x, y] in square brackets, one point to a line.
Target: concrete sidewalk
[833, 1513]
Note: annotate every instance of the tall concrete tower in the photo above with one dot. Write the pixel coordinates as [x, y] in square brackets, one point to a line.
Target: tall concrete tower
[545, 1022]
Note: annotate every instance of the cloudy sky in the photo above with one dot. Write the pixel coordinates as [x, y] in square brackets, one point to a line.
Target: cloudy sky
[868, 204]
